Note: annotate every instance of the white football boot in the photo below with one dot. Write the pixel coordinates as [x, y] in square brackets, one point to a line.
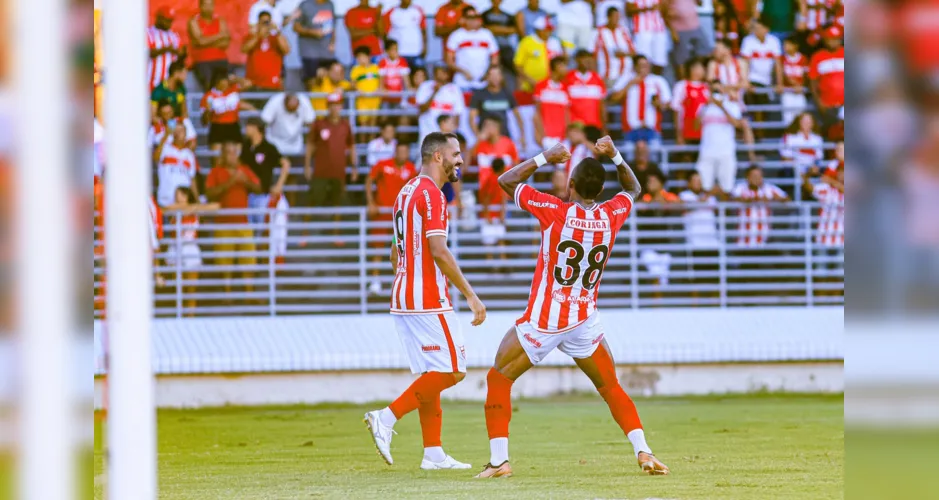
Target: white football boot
[381, 435]
[448, 463]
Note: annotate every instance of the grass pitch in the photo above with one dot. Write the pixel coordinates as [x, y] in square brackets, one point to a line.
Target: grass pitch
[757, 447]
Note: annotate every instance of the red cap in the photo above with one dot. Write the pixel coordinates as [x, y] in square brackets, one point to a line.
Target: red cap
[335, 97]
[543, 23]
[833, 31]
[166, 11]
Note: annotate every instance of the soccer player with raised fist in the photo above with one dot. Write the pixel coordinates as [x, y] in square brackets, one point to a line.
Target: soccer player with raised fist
[420, 302]
[578, 236]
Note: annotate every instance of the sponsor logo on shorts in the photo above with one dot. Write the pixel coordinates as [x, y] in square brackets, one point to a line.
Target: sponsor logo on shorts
[561, 297]
[531, 340]
[430, 348]
[587, 224]
[538, 204]
[598, 339]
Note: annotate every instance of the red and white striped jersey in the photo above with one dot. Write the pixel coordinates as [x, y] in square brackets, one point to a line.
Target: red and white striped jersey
[576, 242]
[794, 69]
[638, 108]
[816, 14]
[650, 20]
[607, 42]
[754, 224]
[154, 224]
[830, 232]
[803, 149]
[729, 73]
[159, 66]
[420, 211]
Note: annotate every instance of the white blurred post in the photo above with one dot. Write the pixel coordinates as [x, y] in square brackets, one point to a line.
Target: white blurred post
[131, 415]
[43, 234]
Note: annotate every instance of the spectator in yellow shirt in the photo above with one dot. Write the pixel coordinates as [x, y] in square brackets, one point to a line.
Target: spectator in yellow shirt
[532, 57]
[367, 80]
[328, 80]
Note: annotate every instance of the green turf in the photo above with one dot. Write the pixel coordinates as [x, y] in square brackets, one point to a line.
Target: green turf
[762, 447]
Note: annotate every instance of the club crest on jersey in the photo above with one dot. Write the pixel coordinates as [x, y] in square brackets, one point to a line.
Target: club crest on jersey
[588, 224]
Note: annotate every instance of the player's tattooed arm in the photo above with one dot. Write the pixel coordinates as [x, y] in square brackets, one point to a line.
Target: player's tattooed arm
[520, 173]
[627, 178]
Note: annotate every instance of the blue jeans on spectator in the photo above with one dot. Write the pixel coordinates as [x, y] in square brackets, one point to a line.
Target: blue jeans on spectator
[258, 202]
[643, 134]
[414, 62]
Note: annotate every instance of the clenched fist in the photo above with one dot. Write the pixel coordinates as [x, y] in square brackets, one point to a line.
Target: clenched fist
[557, 154]
[605, 147]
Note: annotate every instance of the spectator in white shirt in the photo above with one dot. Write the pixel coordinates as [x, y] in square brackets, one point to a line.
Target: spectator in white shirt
[166, 120]
[718, 120]
[471, 50]
[176, 166]
[285, 115]
[644, 96]
[763, 52]
[407, 25]
[754, 225]
[271, 7]
[438, 97]
[613, 48]
[701, 220]
[575, 23]
[802, 144]
[383, 146]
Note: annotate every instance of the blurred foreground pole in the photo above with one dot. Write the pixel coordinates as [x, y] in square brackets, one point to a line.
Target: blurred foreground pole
[131, 437]
[44, 230]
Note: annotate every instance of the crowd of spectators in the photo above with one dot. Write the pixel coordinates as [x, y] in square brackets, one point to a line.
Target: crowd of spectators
[511, 85]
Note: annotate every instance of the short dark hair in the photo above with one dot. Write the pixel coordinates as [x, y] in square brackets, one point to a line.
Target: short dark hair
[582, 53]
[592, 133]
[658, 175]
[492, 118]
[611, 10]
[691, 62]
[361, 49]
[559, 60]
[442, 118]
[176, 66]
[639, 57]
[218, 75]
[256, 121]
[432, 143]
[468, 8]
[388, 123]
[793, 39]
[265, 13]
[751, 168]
[498, 165]
[389, 42]
[589, 176]
[190, 196]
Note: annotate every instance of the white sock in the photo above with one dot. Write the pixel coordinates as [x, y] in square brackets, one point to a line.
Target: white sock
[638, 439]
[498, 450]
[387, 417]
[435, 454]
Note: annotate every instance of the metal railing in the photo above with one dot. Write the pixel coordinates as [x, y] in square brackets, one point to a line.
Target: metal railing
[337, 261]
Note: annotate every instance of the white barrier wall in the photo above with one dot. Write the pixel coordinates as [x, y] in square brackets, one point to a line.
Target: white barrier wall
[312, 359]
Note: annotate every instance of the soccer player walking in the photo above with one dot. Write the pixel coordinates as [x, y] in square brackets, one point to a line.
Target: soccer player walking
[577, 239]
[420, 302]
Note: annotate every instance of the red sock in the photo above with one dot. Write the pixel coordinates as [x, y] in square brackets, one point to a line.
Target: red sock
[431, 421]
[427, 387]
[621, 405]
[498, 404]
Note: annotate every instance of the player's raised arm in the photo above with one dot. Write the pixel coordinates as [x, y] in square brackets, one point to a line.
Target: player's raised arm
[448, 266]
[627, 178]
[518, 174]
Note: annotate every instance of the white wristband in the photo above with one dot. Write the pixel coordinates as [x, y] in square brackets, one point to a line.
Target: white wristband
[540, 160]
[618, 159]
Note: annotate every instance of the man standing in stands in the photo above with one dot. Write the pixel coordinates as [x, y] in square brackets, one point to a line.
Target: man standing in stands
[164, 46]
[266, 47]
[495, 100]
[438, 97]
[754, 225]
[588, 93]
[471, 51]
[386, 179]
[407, 25]
[209, 36]
[315, 27]
[329, 150]
[553, 106]
[285, 115]
[502, 25]
[172, 90]
[263, 158]
[689, 40]
[826, 76]
[613, 48]
[362, 21]
[532, 62]
[650, 31]
[644, 96]
[449, 18]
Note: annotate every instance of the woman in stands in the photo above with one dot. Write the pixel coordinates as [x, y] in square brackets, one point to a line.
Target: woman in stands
[802, 144]
[183, 251]
[221, 107]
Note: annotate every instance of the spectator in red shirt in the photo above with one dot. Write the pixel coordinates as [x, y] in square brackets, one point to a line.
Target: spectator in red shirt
[587, 92]
[209, 36]
[387, 177]
[329, 150]
[687, 98]
[552, 105]
[492, 145]
[491, 199]
[266, 47]
[394, 72]
[229, 184]
[221, 106]
[448, 19]
[362, 21]
[826, 75]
